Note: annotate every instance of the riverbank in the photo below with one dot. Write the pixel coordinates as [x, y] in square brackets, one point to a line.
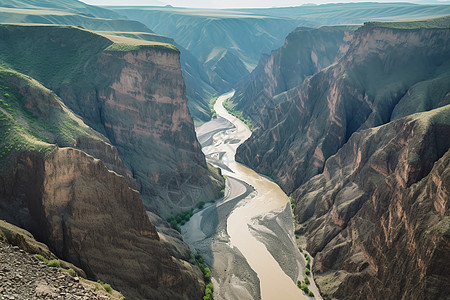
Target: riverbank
[248, 237]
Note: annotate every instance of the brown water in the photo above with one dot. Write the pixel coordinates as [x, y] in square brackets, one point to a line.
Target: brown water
[269, 199]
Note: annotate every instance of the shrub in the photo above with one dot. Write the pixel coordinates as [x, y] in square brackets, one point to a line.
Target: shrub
[297, 236]
[107, 287]
[299, 283]
[54, 263]
[40, 257]
[207, 274]
[209, 292]
[307, 280]
[307, 272]
[175, 225]
[201, 204]
[311, 294]
[199, 258]
[71, 272]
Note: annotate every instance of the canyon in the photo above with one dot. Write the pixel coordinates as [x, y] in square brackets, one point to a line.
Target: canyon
[100, 158]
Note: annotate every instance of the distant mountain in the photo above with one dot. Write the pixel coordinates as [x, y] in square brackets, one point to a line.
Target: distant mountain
[66, 12]
[355, 13]
[228, 42]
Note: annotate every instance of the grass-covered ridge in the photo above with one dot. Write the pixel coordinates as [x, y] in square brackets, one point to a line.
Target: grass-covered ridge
[133, 43]
[32, 118]
[58, 54]
[435, 23]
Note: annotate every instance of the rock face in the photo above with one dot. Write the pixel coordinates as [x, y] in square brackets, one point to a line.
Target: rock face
[305, 52]
[86, 213]
[385, 74]
[134, 95]
[228, 43]
[377, 218]
[364, 147]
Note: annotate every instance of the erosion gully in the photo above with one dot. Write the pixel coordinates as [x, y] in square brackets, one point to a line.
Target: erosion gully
[247, 237]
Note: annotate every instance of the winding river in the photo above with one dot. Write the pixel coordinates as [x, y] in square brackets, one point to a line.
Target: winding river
[248, 236]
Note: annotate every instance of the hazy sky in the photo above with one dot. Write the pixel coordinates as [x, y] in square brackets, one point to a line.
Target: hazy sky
[238, 3]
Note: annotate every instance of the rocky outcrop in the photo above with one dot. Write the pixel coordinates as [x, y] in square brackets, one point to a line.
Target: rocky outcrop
[25, 277]
[134, 95]
[386, 73]
[377, 218]
[305, 52]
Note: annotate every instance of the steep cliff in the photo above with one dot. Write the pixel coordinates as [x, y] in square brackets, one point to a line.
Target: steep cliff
[364, 147]
[86, 213]
[385, 74]
[305, 52]
[377, 218]
[131, 91]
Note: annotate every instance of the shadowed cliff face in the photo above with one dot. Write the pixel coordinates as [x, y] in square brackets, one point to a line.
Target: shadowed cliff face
[136, 98]
[144, 113]
[91, 217]
[305, 52]
[85, 212]
[370, 85]
[377, 218]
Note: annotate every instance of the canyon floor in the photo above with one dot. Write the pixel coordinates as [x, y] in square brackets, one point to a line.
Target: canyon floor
[242, 235]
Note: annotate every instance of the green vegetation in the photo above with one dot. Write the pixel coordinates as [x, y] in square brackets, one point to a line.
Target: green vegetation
[442, 22]
[308, 262]
[201, 204]
[237, 114]
[40, 257]
[212, 102]
[34, 123]
[291, 198]
[106, 286]
[181, 219]
[304, 288]
[54, 263]
[209, 290]
[304, 285]
[71, 272]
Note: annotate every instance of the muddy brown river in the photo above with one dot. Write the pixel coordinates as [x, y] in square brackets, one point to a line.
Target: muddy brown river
[247, 238]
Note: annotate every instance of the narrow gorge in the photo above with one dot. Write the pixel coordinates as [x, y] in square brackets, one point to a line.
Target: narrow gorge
[129, 170]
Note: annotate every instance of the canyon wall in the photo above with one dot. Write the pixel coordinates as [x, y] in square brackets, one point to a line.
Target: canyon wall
[133, 94]
[377, 218]
[83, 210]
[363, 145]
[305, 52]
[385, 74]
